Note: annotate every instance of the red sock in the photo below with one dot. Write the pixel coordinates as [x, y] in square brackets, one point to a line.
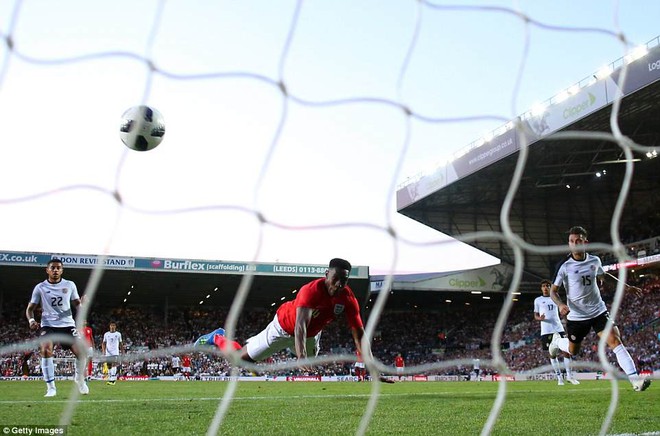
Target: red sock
[221, 342]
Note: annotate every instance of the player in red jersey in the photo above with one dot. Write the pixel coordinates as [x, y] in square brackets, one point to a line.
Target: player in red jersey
[399, 364]
[298, 323]
[88, 335]
[185, 366]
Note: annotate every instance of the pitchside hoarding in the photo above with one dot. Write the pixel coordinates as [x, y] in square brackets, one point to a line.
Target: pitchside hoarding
[10, 258]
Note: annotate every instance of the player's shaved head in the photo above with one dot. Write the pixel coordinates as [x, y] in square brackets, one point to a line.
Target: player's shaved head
[340, 263]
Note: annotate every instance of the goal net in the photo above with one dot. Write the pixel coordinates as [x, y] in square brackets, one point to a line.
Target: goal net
[289, 125]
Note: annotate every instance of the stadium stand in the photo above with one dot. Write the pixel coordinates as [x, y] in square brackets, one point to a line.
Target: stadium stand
[437, 335]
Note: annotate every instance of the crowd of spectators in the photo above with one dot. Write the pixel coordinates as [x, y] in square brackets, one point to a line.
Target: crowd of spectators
[635, 250]
[422, 337]
[640, 236]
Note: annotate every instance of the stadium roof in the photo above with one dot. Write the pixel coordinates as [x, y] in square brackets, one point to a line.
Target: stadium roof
[172, 282]
[566, 182]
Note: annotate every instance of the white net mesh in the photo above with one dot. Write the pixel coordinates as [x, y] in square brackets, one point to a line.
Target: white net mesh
[356, 94]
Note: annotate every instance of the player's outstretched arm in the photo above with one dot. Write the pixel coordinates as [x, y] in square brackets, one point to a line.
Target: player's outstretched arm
[357, 334]
[635, 290]
[563, 308]
[303, 317]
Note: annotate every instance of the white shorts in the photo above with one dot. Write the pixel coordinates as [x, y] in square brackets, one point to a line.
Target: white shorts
[273, 339]
[185, 368]
[359, 364]
[399, 369]
[112, 358]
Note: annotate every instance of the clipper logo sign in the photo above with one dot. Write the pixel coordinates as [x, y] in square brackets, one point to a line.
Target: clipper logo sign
[577, 109]
[459, 283]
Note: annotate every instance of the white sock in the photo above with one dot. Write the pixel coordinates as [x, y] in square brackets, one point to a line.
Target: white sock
[563, 345]
[555, 365]
[567, 365]
[113, 373]
[625, 361]
[76, 374]
[48, 371]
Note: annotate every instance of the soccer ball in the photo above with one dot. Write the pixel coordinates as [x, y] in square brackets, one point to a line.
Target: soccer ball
[142, 128]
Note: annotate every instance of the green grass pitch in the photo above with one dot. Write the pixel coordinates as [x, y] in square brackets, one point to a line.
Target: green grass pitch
[273, 408]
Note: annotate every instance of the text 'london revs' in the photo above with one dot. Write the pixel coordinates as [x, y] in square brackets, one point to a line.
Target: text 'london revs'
[93, 261]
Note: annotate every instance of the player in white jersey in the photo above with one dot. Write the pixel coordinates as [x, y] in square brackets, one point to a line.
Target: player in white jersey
[56, 296]
[176, 365]
[545, 311]
[580, 275]
[111, 347]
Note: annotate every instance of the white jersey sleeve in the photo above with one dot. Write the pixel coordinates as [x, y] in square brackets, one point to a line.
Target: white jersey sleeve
[537, 309]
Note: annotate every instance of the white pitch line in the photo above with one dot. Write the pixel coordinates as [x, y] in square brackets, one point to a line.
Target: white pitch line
[289, 397]
[652, 433]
